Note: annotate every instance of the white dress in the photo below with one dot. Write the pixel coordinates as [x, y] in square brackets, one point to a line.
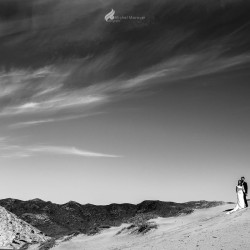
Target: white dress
[240, 199]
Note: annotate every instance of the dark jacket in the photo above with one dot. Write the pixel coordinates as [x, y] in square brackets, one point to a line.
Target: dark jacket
[245, 187]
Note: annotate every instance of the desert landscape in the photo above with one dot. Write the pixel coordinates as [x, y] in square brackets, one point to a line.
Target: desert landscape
[191, 225]
[124, 124]
[209, 228]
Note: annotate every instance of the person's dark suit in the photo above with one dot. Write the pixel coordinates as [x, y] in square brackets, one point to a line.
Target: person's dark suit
[245, 193]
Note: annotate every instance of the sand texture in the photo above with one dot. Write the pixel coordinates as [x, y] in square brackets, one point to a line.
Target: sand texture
[14, 232]
[208, 228]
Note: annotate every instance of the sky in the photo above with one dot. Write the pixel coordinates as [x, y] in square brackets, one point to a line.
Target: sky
[124, 110]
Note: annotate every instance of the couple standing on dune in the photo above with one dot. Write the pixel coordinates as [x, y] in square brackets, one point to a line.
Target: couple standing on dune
[241, 190]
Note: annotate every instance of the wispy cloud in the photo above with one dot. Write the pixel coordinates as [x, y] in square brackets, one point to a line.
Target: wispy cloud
[27, 92]
[31, 99]
[67, 151]
[65, 118]
[98, 65]
[33, 92]
[8, 150]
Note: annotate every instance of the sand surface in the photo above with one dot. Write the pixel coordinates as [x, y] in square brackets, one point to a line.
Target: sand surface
[15, 232]
[204, 229]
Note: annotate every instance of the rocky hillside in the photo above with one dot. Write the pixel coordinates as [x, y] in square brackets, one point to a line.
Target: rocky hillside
[58, 220]
[15, 233]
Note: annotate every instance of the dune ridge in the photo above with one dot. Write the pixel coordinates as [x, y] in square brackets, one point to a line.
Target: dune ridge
[209, 228]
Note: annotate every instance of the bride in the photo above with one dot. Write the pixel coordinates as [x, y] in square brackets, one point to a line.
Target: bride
[240, 197]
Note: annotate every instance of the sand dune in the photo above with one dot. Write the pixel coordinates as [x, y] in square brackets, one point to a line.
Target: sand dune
[204, 229]
[15, 233]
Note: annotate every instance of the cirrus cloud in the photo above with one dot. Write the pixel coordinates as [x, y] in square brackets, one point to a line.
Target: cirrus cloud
[10, 150]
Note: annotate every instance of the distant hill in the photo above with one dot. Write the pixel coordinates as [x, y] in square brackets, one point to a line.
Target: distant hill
[58, 220]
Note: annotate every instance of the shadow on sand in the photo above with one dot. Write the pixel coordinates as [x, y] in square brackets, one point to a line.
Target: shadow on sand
[227, 210]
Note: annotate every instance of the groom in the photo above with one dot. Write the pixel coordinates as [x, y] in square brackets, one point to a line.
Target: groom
[245, 187]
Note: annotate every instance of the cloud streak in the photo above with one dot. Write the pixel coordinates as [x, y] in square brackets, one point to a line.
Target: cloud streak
[50, 120]
[68, 151]
[32, 93]
[8, 150]
[94, 63]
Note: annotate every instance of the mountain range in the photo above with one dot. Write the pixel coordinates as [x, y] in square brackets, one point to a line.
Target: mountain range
[57, 220]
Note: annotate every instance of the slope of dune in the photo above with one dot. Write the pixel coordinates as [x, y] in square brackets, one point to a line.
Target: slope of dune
[15, 233]
[209, 228]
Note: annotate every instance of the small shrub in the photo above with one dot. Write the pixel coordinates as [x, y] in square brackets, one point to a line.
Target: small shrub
[131, 226]
[146, 227]
[94, 231]
[123, 229]
[104, 226]
[142, 228]
[47, 245]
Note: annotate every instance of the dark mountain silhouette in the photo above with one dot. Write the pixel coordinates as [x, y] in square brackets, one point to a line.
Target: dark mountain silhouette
[57, 220]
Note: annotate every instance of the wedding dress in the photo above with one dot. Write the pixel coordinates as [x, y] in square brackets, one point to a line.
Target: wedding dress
[240, 199]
